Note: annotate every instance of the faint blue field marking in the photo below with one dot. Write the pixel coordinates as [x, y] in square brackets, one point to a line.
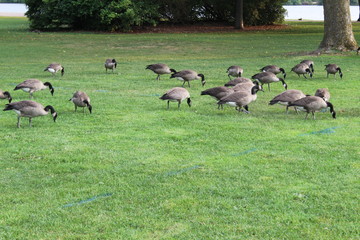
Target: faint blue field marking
[324, 131]
[172, 173]
[245, 152]
[88, 200]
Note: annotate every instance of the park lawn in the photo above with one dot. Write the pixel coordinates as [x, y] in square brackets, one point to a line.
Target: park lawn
[134, 170]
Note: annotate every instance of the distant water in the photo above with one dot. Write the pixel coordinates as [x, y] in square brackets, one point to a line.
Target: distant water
[314, 12]
[305, 12]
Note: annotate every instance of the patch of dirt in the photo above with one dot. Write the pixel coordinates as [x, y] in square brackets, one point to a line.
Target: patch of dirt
[204, 28]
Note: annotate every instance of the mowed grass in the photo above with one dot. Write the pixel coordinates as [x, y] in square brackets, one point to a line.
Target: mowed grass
[135, 170]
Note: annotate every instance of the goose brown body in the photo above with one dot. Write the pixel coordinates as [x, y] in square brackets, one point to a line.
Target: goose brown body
[268, 77]
[323, 93]
[235, 71]
[30, 109]
[274, 69]
[333, 69]
[176, 94]
[313, 104]
[34, 85]
[310, 63]
[81, 99]
[302, 69]
[5, 95]
[188, 75]
[287, 97]
[54, 68]
[238, 80]
[160, 69]
[110, 64]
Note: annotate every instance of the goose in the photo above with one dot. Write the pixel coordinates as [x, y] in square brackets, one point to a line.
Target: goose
[160, 69]
[333, 69]
[54, 68]
[246, 86]
[234, 71]
[187, 76]
[176, 94]
[240, 99]
[218, 92]
[313, 104]
[274, 69]
[33, 85]
[235, 81]
[110, 64]
[287, 97]
[310, 64]
[268, 77]
[323, 93]
[30, 109]
[5, 95]
[303, 69]
[81, 99]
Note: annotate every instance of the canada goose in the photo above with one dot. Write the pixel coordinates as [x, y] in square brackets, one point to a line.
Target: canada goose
[218, 92]
[81, 99]
[234, 71]
[274, 69]
[30, 109]
[160, 69]
[33, 85]
[235, 81]
[246, 86]
[5, 95]
[268, 77]
[187, 76]
[240, 99]
[323, 93]
[110, 64]
[313, 104]
[310, 64]
[54, 68]
[287, 97]
[302, 68]
[357, 51]
[176, 94]
[333, 69]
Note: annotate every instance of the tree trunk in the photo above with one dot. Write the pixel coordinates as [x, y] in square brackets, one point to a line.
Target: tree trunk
[239, 19]
[359, 12]
[338, 34]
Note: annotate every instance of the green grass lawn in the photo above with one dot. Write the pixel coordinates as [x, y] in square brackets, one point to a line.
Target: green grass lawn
[135, 170]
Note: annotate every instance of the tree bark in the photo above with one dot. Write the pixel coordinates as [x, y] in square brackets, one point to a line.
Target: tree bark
[338, 34]
[359, 12]
[239, 18]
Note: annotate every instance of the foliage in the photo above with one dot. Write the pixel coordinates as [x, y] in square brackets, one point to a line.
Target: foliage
[124, 14]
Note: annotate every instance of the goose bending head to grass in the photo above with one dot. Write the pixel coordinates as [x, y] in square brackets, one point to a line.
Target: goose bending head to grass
[188, 75]
[54, 68]
[310, 63]
[160, 69]
[34, 85]
[234, 71]
[302, 69]
[30, 109]
[274, 69]
[323, 93]
[110, 64]
[312, 104]
[176, 94]
[333, 69]
[236, 81]
[268, 77]
[287, 97]
[5, 95]
[81, 99]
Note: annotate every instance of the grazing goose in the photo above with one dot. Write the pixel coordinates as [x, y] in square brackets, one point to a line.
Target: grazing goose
[110, 64]
[54, 68]
[323, 93]
[5, 95]
[30, 109]
[287, 97]
[268, 77]
[234, 71]
[313, 104]
[274, 69]
[333, 69]
[187, 76]
[81, 99]
[240, 100]
[303, 69]
[246, 86]
[235, 81]
[218, 92]
[310, 64]
[33, 85]
[176, 94]
[160, 69]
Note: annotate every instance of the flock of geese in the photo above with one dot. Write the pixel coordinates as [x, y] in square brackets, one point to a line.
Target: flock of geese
[238, 92]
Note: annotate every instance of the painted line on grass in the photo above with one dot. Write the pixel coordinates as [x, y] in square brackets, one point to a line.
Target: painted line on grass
[102, 90]
[324, 131]
[172, 173]
[150, 95]
[88, 200]
[245, 152]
